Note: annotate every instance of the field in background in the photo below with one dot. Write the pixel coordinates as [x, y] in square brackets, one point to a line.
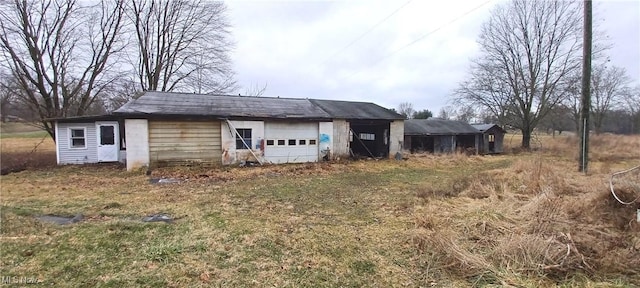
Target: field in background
[519, 219]
[25, 147]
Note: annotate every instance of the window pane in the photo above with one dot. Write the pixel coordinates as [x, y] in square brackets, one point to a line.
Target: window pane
[240, 144]
[280, 142]
[269, 142]
[77, 142]
[367, 136]
[303, 142]
[312, 142]
[292, 142]
[243, 134]
[107, 135]
[77, 133]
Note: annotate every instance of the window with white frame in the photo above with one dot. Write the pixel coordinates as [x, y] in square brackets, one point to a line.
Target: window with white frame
[243, 134]
[367, 136]
[77, 138]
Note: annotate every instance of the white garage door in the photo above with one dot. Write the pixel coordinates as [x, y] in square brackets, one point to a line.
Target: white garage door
[291, 142]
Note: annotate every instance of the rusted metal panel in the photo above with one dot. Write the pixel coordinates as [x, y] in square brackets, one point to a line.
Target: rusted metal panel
[182, 142]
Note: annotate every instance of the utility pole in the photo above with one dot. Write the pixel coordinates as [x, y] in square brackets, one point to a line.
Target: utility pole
[586, 89]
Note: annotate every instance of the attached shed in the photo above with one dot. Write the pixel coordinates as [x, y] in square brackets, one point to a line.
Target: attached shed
[363, 129]
[440, 136]
[492, 138]
[89, 139]
[178, 128]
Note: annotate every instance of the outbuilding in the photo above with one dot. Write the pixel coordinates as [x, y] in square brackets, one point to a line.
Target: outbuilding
[492, 138]
[164, 128]
[89, 139]
[440, 136]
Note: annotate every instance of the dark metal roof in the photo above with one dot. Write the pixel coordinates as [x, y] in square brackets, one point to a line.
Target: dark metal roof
[87, 118]
[186, 104]
[434, 126]
[356, 110]
[485, 127]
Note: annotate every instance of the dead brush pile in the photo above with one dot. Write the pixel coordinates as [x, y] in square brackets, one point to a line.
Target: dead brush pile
[536, 222]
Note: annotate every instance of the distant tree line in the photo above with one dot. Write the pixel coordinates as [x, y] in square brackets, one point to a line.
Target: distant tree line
[406, 109]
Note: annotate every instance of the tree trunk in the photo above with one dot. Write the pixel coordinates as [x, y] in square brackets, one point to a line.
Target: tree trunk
[526, 139]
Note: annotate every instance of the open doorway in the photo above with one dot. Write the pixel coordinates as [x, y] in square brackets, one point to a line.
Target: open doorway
[369, 139]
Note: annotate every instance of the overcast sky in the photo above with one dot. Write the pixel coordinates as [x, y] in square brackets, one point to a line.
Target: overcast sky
[346, 50]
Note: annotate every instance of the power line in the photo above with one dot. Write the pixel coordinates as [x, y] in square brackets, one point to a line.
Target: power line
[365, 33]
[424, 36]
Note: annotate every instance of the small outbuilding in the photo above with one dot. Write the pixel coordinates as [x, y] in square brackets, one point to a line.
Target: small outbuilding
[440, 136]
[492, 138]
[89, 139]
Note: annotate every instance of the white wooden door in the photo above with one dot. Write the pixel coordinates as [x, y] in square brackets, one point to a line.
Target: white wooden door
[108, 141]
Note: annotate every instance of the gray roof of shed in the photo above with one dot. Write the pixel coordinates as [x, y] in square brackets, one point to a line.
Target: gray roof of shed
[485, 127]
[434, 126]
[187, 104]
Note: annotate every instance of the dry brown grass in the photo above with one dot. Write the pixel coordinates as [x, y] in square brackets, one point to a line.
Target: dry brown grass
[18, 154]
[525, 220]
[538, 218]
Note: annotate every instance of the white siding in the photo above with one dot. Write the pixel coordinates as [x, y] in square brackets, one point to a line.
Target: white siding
[280, 131]
[68, 155]
[137, 138]
[326, 139]
[396, 137]
[184, 142]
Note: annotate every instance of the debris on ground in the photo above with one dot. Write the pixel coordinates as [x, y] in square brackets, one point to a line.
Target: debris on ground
[158, 218]
[164, 180]
[60, 220]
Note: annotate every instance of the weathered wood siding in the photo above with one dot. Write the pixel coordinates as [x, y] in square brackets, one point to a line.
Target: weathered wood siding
[340, 138]
[69, 155]
[184, 142]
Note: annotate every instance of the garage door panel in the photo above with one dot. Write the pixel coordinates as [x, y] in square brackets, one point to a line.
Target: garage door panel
[179, 142]
[291, 153]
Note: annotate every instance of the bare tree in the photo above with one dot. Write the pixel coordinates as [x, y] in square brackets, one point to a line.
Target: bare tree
[486, 91]
[255, 90]
[120, 92]
[60, 53]
[465, 113]
[632, 102]
[182, 45]
[7, 96]
[527, 49]
[446, 113]
[406, 109]
[607, 87]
